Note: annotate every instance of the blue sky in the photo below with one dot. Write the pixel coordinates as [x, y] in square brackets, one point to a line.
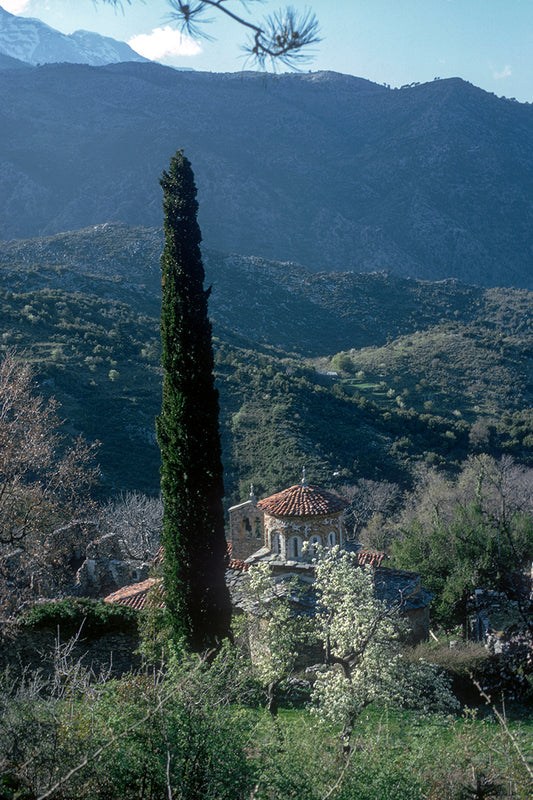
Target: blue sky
[487, 42]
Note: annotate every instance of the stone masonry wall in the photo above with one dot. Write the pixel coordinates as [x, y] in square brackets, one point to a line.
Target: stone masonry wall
[23, 649]
[303, 527]
[246, 530]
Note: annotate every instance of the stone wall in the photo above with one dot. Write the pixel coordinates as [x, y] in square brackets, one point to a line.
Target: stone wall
[284, 534]
[26, 649]
[418, 620]
[106, 568]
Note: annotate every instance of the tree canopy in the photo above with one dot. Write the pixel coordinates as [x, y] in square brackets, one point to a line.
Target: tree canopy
[472, 532]
[45, 482]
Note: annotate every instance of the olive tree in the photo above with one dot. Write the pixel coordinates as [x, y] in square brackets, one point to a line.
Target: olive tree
[471, 532]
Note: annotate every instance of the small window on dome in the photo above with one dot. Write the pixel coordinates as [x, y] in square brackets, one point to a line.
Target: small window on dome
[331, 539]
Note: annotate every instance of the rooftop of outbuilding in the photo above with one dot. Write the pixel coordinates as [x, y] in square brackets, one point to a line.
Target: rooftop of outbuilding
[134, 596]
[392, 586]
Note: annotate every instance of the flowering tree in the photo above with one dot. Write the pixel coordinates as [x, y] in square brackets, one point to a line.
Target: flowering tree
[363, 662]
[276, 633]
[359, 636]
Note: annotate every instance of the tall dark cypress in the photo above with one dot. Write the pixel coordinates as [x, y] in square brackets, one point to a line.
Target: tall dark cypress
[187, 429]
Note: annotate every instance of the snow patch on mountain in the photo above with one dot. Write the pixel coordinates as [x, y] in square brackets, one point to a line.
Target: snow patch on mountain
[34, 42]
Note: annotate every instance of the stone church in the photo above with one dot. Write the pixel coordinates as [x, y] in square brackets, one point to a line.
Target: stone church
[286, 529]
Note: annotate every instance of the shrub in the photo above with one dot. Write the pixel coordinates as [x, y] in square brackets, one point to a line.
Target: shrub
[71, 613]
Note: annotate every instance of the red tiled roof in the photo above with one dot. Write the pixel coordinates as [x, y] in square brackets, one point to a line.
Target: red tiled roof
[303, 501]
[134, 596]
[369, 558]
[237, 563]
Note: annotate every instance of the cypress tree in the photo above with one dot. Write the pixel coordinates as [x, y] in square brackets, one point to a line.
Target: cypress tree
[193, 539]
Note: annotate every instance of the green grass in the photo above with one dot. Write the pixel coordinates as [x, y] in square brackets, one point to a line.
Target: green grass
[401, 754]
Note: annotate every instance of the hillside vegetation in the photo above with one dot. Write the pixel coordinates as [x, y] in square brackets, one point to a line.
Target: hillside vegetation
[425, 371]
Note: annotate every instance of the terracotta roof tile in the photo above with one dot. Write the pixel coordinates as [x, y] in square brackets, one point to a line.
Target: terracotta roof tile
[134, 596]
[369, 557]
[393, 586]
[303, 501]
[237, 563]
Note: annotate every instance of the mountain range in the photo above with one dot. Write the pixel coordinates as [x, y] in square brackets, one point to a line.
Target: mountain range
[33, 42]
[269, 304]
[334, 172]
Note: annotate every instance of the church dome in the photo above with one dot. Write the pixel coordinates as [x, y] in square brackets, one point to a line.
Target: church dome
[303, 501]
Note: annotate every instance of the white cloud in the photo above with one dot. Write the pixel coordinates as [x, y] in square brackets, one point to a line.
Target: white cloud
[164, 43]
[506, 72]
[15, 6]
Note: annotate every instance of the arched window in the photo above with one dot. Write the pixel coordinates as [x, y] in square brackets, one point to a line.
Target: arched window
[295, 547]
[331, 539]
[276, 543]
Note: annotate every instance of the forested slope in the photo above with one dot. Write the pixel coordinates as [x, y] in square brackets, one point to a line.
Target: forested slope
[425, 371]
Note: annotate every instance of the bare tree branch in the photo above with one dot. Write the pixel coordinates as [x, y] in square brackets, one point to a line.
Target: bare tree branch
[42, 480]
[45, 481]
[136, 520]
[508, 732]
[152, 712]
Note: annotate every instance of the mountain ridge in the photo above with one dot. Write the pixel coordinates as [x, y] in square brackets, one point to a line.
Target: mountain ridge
[431, 181]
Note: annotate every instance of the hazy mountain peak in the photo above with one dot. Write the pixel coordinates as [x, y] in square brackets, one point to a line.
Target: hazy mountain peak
[33, 41]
